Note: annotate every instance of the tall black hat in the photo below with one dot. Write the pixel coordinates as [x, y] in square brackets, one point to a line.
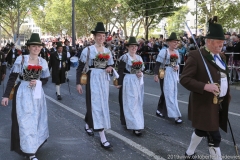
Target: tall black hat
[214, 30]
[173, 36]
[99, 28]
[34, 40]
[132, 41]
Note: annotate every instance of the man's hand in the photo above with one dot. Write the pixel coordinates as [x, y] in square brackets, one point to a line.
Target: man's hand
[212, 88]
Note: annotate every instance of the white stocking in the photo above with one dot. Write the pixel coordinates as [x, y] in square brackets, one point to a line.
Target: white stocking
[195, 140]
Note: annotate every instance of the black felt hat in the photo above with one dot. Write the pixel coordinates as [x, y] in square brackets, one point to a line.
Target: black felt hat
[66, 40]
[12, 44]
[172, 37]
[99, 28]
[34, 40]
[214, 30]
[132, 41]
[59, 44]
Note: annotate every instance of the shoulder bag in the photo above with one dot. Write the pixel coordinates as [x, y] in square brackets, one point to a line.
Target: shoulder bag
[162, 67]
[84, 77]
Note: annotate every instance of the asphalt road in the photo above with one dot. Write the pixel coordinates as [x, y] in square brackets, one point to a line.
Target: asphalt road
[162, 138]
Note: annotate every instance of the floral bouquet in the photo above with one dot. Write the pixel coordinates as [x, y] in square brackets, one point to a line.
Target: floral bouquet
[32, 72]
[173, 59]
[136, 66]
[101, 60]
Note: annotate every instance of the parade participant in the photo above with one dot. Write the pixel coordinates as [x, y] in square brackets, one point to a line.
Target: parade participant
[11, 55]
[54, 48]
[29, 109]
[44, 52]
[2, 66]
[236, 58]
[69, 50]
[228, 45]
[130, 82]
[168, 59]
[97, 117]
[58, 63]
[207, 115]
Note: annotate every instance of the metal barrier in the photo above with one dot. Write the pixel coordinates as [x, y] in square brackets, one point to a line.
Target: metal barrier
[231, 65]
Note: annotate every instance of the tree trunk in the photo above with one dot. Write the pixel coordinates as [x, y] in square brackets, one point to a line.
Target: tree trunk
[146, 23]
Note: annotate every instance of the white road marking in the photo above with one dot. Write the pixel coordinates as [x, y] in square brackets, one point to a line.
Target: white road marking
[113, 133]
[154, 95]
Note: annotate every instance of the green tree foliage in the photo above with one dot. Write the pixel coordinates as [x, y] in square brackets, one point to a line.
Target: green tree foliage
[228, 12]
[175, 23]
[4, 4]
[9, 15]
[54, 17]
[153, 11]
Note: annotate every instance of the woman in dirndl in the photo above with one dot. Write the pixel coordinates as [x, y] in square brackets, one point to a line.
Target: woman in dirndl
[131, 88]
[99, 65]
[168, 59]
[29, 108]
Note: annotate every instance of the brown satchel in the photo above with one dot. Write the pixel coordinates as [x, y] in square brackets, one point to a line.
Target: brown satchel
[84, 77]
[162, 69]
[13, 89]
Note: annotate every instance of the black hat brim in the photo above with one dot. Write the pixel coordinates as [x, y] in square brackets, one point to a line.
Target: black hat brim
[34, 43]
[132, 44]
[217, 38]
[172, 40]
[94, 32]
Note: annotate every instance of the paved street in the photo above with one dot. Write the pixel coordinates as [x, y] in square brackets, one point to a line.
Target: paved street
[162, 138]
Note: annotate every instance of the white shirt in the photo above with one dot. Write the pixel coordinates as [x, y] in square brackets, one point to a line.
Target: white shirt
[60, 57]
[224, 82]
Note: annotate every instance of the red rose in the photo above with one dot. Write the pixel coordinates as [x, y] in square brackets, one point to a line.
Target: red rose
[100, 56]
[29, 67]
[107, 56]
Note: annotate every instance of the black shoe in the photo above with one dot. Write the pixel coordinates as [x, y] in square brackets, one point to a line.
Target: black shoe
[59, 97]
[137, 132]
[105, 147]
[89, 133]
[190, 157]
[179, 121]
[159, 114]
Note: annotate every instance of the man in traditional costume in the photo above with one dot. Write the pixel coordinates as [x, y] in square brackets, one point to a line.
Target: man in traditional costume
[208, 102]
[69, 50]
[59, 65]
[11, 55]
[44, 52]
